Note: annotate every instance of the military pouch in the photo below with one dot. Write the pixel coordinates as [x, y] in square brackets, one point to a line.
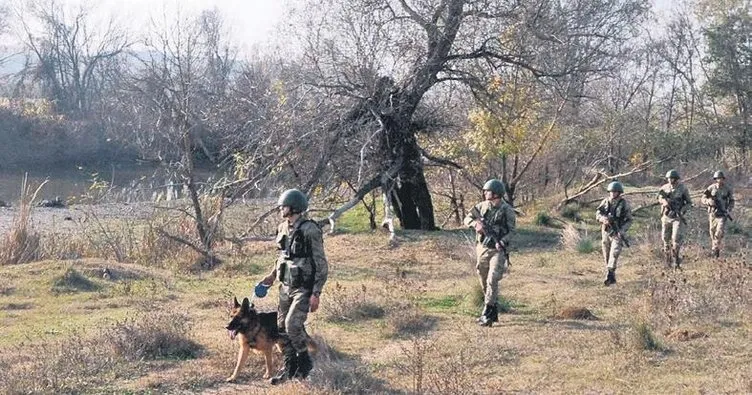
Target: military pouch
[298, 246]
[282, 272]
[488, 242]
[294, 278]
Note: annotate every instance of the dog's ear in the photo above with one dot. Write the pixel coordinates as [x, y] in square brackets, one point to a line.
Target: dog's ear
[235, 299]
[246, 304]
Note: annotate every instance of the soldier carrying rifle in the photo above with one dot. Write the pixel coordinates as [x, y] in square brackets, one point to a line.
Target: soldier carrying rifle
[615, 217]
[493, 220]
[720, 201]
[674, 199]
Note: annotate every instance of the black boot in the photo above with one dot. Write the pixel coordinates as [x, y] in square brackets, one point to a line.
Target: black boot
[487, 318]
[494, 316]
[716, 253]
[483, 314]
[305, 365]
[610, 277]
[677, 260]
[290, 367]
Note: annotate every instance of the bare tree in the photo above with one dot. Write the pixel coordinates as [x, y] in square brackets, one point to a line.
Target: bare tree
[386, 55]
[71, 57]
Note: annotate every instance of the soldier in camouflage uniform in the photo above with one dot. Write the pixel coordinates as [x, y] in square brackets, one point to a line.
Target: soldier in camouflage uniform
[720, 201]
[615, 217]
[492, 255]
[674, 199]
[302, 270]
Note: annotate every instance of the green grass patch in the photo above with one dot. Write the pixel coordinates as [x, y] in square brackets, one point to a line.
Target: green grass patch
[585, 245]
[448, 302]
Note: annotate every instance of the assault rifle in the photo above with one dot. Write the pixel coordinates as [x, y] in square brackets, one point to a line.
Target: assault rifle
[492, 234]
[672, 206]
[716, 204]
[611, 228]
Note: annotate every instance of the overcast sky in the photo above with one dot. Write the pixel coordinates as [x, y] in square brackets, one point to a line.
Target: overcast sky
[252, 23]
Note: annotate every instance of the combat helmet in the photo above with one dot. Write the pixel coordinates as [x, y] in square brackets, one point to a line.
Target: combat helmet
[293, 198]
[672, 174]
[718, 174]
[495, 186]
[615, 186]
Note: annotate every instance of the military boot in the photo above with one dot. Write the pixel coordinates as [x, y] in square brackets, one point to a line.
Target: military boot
[494, 316]
[290, 367]
[487, 318]
[716, 253]
[610, 277]
[485, 312]
[305, 365]
[677, 259]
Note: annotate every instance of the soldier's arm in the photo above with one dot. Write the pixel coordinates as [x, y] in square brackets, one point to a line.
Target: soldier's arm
[687, 198]
[662, 197]
[707, 198]
[471, 217]
[316, 239]
[598, 211]
[511, 219]
[627, 222]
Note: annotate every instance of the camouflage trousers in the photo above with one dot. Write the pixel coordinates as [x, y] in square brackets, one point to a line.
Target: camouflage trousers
[717, 230]
[611, 247]
[672, 230]
[490, 266]
[292, 313]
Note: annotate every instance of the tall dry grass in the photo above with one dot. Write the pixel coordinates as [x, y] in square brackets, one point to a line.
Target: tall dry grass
[21, 243]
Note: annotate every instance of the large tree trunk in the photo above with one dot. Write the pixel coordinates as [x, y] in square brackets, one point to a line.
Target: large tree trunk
[404, 182]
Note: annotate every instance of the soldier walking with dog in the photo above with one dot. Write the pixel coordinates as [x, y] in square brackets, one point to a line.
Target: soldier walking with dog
[302, 270]
[674, 199]
[615, 217]
[493, 220]
[719, 198]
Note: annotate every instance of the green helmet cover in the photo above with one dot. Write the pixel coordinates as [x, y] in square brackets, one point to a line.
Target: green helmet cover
[718, 174]
[672, 174]
[494, 186]
[615, 186]
[293, 198]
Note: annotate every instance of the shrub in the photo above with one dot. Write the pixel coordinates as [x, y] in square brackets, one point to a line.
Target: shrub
[154, 336]
[571, 211]
[573, 240]
[542, 219]
[645, 339]
[349, 305]
[73, 281]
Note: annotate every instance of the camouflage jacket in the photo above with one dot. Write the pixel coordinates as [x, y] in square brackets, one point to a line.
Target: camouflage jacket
[302, 261]
[619, 210]
[677, 198]
[501, 218]
[719, 199]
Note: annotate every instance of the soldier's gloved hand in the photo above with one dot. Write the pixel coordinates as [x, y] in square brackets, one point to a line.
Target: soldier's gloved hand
[478, 226]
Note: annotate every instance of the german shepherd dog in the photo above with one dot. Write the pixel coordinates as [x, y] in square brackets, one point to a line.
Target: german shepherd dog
[256, 331]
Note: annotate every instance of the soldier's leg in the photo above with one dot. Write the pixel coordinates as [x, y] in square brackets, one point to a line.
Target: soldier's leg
[288, 351]
[295, 323]
[666, 230]
[482, 264]
[605, 246]
[284, 306]
[676, 241]
[719, 231]
[711, 233]
[495, 273]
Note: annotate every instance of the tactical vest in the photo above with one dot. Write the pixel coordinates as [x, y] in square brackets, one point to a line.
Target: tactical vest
[296, 247]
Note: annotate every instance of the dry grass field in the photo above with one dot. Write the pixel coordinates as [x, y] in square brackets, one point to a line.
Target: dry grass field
[395, 318]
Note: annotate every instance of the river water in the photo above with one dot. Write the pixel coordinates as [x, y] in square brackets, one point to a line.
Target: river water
[131, 182]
